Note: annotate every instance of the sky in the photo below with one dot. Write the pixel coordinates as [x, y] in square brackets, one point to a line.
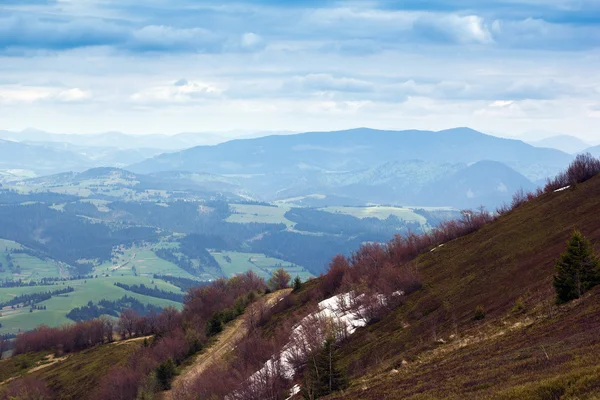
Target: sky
[504, 67]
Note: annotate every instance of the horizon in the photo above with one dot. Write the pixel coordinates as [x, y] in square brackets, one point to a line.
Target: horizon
[224, 136]
[504, 68]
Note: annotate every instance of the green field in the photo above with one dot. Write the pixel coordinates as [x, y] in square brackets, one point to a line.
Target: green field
[29, 267]
[245, 213]
[233, 263]
[380, 212]
[85, 290]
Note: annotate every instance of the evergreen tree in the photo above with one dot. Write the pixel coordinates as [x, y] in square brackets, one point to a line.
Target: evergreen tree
[323, 376]
[577, 269]
[165, 373]
[297, 283]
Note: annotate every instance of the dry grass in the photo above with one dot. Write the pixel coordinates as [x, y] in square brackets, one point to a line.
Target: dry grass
[535, 351]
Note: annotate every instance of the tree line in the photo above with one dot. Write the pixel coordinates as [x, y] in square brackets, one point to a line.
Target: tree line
[152, 292]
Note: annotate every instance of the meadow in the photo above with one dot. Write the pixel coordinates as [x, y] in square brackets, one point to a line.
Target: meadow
[245, 213]
[233, 263]
[95, 289]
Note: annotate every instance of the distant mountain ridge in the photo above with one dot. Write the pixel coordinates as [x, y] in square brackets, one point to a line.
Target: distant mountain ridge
[595, 151]
[357, 149]
[567, 143]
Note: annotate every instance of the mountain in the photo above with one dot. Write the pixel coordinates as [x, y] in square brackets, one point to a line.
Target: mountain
[370, 166]
[568, 144]
[99, 180]
[487, 183]
[124, 141]
[357, 149]
[39, 158]
[595, 151]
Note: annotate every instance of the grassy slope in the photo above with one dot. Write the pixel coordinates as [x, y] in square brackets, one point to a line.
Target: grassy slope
[507, 355]
[75, 377]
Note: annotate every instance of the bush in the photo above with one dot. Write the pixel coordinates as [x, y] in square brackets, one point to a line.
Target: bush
[28, 388]
[583, 168]
[519, 306]
[479, 313]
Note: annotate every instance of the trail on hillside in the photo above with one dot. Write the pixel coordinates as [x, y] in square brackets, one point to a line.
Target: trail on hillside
[224, 343]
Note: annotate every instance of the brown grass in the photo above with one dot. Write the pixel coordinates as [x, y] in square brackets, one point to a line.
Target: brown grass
[538, 352]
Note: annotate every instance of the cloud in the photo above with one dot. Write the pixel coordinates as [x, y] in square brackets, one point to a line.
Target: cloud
[166, 38]
[19, 94]
[266, 64]
[327, 83]
[179, 92]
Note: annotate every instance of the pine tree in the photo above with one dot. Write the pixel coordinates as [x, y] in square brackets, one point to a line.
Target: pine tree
[577, 269]
[297, 283]
[323, 376]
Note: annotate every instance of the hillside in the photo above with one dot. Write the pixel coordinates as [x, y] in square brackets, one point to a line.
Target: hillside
[475, 318]
[432, 348]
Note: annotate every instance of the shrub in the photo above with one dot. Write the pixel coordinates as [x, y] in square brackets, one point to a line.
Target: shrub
[583, 168]
[27, 388]
[479, 313]
[519, 306]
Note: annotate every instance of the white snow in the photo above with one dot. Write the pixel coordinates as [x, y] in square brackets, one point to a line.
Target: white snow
[561, 189]
[435, 248]
[339, 315]
[334, 309]
[294, 391]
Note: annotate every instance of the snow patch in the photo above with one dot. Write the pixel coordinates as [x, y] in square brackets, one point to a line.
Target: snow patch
[562, 189]
[294, 391]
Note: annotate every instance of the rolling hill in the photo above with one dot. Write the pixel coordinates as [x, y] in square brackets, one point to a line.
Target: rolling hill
[357, 149]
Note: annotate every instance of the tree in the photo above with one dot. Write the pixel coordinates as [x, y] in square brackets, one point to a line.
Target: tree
[323, 376]
[4, 345]
[297, 283]
[577, 269]
[280, 279]
[165, 373]
[127, 321]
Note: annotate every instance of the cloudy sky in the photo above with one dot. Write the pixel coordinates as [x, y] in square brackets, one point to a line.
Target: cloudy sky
[500, 66]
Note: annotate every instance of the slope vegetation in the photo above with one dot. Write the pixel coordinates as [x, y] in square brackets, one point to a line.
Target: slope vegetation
[522, 346]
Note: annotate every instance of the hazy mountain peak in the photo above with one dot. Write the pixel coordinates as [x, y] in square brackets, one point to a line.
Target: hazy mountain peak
[567, 143]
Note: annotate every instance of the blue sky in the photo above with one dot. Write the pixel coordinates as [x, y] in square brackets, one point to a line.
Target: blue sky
[158, 66]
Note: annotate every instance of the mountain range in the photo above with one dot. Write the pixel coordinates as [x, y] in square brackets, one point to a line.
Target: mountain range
[457, 167]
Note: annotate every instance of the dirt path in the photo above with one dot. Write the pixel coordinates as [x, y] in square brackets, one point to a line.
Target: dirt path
[224, 343]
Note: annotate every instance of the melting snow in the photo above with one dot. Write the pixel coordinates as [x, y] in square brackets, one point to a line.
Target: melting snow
[294, 391]
[561, 189]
